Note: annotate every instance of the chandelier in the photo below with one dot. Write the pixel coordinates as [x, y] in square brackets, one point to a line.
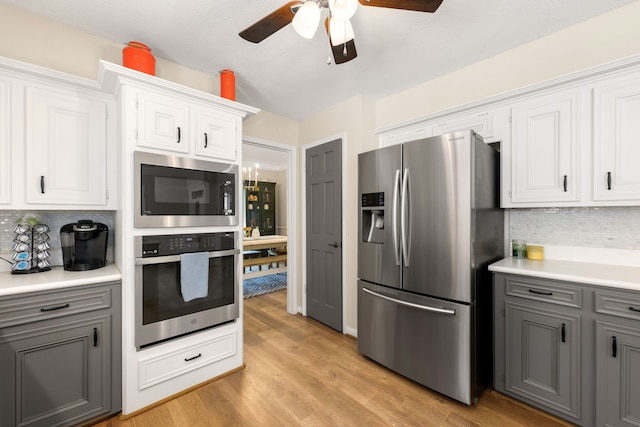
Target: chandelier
[246, 177]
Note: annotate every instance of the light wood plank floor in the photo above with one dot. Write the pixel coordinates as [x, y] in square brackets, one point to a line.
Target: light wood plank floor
[302, 373]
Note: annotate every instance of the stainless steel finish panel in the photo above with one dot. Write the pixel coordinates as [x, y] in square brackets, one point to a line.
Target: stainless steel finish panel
[171, 328]
[439, 216]
[379, 171]
[420, 338]
[142, 221]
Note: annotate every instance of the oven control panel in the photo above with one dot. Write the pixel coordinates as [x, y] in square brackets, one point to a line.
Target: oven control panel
[175, 244]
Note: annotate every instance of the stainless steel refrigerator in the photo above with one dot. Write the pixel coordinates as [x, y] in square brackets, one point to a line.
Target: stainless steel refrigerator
[430, 223]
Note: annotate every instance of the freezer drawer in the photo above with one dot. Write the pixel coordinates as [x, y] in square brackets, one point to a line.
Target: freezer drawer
[424, 339]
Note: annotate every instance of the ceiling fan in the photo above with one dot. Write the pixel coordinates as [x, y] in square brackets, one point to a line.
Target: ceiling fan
[305, 16]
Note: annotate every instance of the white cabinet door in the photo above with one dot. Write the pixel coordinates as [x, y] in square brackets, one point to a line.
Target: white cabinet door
[410, 133]
[163, 122]
[616, 171]
[215, 134]
[545, 137]
[6, 174]
[65, 148]
[481, 123]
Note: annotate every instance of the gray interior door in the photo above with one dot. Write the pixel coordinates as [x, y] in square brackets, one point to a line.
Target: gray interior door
[324, 233]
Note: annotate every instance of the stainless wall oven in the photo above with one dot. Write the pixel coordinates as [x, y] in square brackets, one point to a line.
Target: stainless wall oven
[173, 191]
[162, 309]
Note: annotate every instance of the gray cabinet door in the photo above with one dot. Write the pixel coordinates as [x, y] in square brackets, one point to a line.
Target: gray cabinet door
[618, 375]
[542, 360]
[57, 372]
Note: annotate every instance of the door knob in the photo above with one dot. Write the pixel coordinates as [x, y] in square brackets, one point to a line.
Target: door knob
[335, 244]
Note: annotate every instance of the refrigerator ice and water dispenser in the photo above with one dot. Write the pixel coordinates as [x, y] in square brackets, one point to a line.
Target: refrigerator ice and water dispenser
[372, 211]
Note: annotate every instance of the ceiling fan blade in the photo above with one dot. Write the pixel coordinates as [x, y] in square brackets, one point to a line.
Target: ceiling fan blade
[344, 52]
[271, 23]
[415, 5]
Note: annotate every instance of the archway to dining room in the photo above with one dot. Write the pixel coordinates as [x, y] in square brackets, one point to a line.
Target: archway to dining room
[269, 219]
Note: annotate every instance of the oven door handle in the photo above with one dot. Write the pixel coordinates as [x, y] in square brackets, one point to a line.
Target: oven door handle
[176, 258]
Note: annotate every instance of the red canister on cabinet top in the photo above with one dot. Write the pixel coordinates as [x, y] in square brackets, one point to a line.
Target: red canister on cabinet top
[228, 85]
[138, 57]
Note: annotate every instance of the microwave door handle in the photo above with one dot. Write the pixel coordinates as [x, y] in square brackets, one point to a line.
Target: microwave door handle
[176, 258]
[394, 220]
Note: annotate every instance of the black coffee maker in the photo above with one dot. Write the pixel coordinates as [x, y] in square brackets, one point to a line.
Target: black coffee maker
[84, 245]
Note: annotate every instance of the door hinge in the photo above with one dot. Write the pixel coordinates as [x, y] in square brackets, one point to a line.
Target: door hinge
[107, 195]
[136, 134]
[503, 309]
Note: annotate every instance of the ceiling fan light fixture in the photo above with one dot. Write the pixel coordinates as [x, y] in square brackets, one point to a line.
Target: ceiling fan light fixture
[343, 9]
[306, 20]
[340, 31]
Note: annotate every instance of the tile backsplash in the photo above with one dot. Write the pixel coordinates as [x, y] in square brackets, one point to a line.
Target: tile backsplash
[55, 220]
[606, 227]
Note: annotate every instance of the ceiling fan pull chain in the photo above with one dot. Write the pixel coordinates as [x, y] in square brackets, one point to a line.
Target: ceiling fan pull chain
[344, 50]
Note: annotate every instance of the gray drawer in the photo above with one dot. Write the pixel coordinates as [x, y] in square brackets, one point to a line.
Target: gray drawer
[27, 308]
[618, 303]
[544, 290]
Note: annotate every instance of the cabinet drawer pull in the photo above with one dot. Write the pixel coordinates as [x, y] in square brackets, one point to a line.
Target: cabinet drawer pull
[206, 140]
[189, 359]
[54, 307]
[564, 183]
[632, 308]
[179, 135]
[537, 292]
[95, 337]
[563, 333]
[614, 347]
[42, 184]
[608, 180]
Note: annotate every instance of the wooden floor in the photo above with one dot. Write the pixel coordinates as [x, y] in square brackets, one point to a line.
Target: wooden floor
[302, 373]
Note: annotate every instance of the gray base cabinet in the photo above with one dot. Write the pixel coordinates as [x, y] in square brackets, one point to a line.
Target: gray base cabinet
[538, 342]
[617, 332]
[543, 356]
[572, 350]
[60, 356]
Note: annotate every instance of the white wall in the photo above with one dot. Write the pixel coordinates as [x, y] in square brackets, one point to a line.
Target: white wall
[353, 119]
[602, 39]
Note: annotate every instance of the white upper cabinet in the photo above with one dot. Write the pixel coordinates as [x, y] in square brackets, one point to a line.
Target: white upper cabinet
[66, 148]
[405, 134]
[616, 139]
[545, 148]
[215, 133]
[163, 122]
[482, 123]
[6, 174]
[172, 123]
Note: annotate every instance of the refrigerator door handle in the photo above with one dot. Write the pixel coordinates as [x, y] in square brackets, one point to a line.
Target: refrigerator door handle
[396, 243]
[405, 224]
[412, 305]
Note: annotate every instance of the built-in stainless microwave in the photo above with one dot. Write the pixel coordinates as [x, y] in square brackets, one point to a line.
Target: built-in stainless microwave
[173, 191]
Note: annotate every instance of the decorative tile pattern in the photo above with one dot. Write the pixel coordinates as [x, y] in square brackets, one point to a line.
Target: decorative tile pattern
[55, 220]
[607, 227]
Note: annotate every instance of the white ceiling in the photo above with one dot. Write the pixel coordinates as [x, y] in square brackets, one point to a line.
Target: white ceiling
[289, 75]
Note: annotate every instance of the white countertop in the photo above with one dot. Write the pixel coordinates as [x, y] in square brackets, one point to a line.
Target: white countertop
[610, 275]
[56, 278]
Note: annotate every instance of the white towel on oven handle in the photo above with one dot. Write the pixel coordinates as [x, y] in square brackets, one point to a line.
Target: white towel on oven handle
[194, 275]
